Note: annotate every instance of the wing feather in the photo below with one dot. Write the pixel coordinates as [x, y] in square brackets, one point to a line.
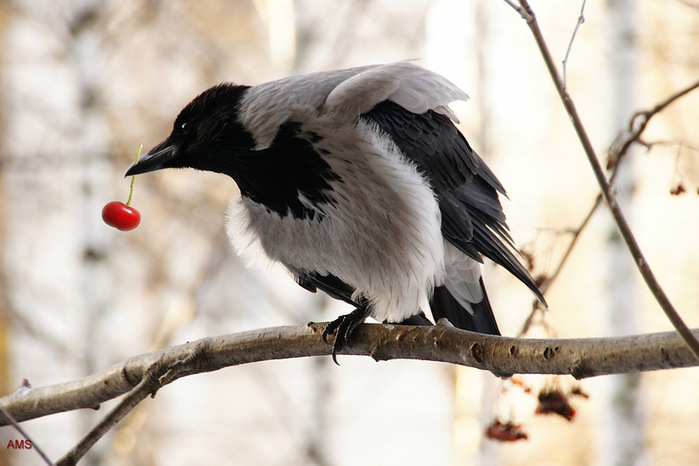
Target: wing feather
[467, 190]
[345, 93]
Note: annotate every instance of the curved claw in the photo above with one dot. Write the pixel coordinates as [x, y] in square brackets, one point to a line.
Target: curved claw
[343, 328]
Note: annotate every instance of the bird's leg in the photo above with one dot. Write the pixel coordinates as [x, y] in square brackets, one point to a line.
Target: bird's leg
[343, 328]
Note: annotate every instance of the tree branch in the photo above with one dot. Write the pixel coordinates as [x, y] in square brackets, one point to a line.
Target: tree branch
[14, 423]
[564, 63]
[617, 152]
[504, 356]
[624, 229]
[149, 384]
[637, 125]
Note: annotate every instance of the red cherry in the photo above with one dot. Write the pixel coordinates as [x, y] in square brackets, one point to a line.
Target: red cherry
[120, 216]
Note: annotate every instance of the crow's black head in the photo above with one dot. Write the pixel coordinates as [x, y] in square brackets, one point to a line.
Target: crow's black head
[207, 135]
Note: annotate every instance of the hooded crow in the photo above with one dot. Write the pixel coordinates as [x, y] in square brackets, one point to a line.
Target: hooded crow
[360, 184]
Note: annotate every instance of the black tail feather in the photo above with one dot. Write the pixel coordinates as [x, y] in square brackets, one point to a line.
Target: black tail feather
[482, 321]
[417, 319]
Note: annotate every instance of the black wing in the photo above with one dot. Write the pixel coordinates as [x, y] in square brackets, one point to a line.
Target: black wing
[467, 190]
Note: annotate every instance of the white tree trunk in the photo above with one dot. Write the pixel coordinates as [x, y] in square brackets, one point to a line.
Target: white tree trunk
[622, 434]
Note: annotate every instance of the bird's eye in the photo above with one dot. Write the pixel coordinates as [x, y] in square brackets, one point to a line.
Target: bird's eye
[185, 127]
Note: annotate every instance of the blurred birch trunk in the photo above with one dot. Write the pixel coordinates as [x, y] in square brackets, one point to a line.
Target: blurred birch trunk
[623, 427]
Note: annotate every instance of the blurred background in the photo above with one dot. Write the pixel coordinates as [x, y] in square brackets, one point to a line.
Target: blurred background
[84, 82]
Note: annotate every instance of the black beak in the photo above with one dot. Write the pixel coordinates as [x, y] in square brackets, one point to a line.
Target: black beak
[161, 156]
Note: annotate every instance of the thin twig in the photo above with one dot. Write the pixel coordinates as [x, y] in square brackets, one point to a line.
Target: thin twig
[581, 20]
[551, 277]
[638, 123]
[514, 6]
[617, 151]
[157, 375]
[150, 382]
[576, 235]
[642, 264]
[24, 434]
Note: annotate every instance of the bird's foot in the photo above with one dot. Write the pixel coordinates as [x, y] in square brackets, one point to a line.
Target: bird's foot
[343, 328]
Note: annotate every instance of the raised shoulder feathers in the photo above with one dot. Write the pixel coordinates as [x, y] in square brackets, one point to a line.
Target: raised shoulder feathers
[344, 94]
[408, 85]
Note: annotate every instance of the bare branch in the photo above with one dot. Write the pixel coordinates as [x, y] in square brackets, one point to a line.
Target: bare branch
[504, 356]
[515, 6]
[581, 20]
[637, 125]
[617, 151]
[148, 385]
[624, 229]
[12, 421]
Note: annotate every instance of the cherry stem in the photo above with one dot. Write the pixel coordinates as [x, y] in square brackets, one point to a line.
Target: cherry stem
[133, 178]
